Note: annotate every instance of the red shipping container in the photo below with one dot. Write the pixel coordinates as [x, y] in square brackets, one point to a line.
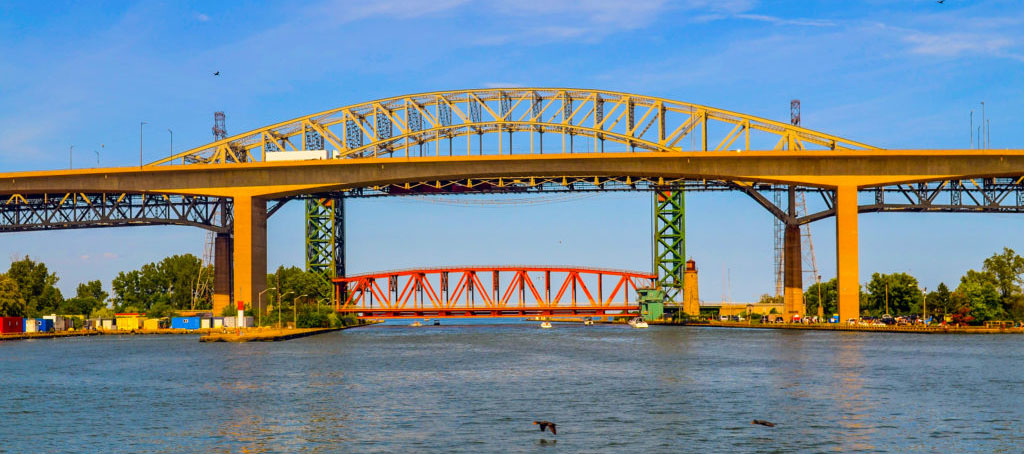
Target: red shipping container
[12, 325]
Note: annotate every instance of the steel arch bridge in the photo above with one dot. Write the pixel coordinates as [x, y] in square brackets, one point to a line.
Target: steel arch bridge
[525, 140]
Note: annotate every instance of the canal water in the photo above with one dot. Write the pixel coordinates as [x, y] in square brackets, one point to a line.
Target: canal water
[393, 389]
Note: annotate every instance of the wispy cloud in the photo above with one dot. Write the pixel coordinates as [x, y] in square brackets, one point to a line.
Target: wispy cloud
[787, 21]
[202, 17]
[958, 44]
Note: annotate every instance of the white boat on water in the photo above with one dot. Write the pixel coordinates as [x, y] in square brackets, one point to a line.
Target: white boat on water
[637, 322]
[588, 321]
[416, 323]
[545, 325]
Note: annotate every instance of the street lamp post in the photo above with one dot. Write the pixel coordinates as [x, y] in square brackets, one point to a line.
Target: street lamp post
[279, 309]
[70, 166]
[141, 124]
[259, 310]
[295, 310]
[172, 140]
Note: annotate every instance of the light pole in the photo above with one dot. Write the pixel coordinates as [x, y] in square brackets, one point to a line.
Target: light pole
[821, 307]
[259, 310]
[172, 140]
[295, 310]
[97, 157]
[69, 157]
[279, 309]
[141, 124]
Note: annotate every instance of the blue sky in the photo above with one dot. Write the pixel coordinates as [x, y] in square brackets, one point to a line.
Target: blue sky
[895, 74]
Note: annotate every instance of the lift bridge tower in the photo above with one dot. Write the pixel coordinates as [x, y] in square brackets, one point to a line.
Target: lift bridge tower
[809, 264]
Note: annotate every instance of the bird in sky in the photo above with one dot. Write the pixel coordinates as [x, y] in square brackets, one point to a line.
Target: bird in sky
[546, 425]
[216, 73]
[940, 1]
[763, 423]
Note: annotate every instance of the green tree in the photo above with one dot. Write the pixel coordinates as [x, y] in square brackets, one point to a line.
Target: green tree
[940, 301]
[88, 297]
[1007, 268]
[173, 280]
[901, 290]
[299, 282]
[12, 303]
[37, 286]
[769, 299]
[979, 294]
[829, 297]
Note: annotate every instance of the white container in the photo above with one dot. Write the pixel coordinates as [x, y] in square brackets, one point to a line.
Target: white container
[232, 322]
[206, 323]
[218, 322]
[31, 325]
[301, 155]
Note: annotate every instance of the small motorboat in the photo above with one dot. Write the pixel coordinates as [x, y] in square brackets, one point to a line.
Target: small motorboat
[416, 323]
[437, 323]
[637, 322]
[588, 321]
[545, 324]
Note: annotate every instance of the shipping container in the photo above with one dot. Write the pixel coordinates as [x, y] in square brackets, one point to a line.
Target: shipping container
[44, 326]
[107, 323]
[12, 325]
[60, 323]
[232, 322]
[206, 323]
[155, 323]
[218, 322]
[185, 323]
[128, 323]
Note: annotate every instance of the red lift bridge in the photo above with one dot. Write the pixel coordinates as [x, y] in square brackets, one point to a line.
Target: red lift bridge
[490, 291]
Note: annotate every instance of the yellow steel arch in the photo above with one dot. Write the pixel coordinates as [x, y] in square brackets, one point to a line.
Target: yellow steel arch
[424, 123]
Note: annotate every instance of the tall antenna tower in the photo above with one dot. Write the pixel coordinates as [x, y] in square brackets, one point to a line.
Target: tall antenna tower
[201, 288]
[219, 131]
[809, 265]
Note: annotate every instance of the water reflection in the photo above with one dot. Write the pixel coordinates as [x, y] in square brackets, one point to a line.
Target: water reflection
[477, 389]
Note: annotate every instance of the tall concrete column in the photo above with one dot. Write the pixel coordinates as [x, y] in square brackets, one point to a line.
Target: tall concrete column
[793, 273]
[250, 248]
[792, 264]
[847, 260]
[222, 272]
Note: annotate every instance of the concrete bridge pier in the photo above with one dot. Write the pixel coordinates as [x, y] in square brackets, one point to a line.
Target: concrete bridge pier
[250, 249]
[792, 262]
[847, 259]
[222, 271]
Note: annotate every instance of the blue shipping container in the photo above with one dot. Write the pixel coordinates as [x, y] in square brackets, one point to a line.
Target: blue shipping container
[45, 326]
[185, 322]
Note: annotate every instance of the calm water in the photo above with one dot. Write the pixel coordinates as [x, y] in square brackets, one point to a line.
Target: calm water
[397, 389]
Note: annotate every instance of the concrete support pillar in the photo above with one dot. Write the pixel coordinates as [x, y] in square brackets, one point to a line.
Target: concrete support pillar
[222, 285]
[250, 248]
[793, 273]
[847, 260]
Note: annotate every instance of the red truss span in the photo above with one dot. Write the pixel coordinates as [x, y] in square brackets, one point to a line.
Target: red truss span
[490, 291]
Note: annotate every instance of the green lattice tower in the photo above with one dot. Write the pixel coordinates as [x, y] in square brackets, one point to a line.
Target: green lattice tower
[325, 226]
[670, 241]
[325, 237]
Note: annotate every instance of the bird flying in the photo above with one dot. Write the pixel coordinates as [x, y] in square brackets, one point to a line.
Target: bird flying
[940, 1]
[763, 423]
[546, 425]
[216, 73]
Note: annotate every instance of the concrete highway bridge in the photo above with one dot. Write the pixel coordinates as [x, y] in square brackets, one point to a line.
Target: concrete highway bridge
[521, 140]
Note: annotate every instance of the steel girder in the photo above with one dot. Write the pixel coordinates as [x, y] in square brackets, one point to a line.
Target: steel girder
[84, 210]
[670, 241]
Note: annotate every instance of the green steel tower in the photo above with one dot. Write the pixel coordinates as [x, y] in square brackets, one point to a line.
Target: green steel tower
[670, 241]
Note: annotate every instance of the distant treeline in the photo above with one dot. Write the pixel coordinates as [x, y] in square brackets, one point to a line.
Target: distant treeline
[994, 293]
[28, 289]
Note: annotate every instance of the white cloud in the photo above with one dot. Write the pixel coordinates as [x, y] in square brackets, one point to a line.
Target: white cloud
[202, 17]
[785, 21]
[957, 44]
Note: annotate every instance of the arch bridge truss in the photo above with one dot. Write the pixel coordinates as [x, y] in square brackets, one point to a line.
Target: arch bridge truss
[490, 291]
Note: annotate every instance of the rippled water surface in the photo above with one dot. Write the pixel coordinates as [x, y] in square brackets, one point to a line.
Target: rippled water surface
[399, 389]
